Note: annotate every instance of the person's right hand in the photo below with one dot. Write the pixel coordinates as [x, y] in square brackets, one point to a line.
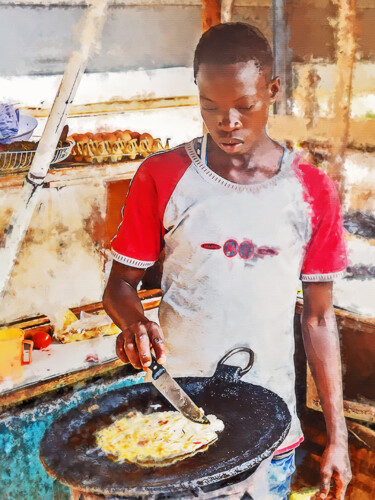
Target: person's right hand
[134, 344]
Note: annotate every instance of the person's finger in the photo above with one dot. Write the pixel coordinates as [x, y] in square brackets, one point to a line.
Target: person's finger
[157, 340]
[340, 483]
[318, 496]
[338, 488]
[143, 344]
[131, 348]
[325, 483]
[120, 348]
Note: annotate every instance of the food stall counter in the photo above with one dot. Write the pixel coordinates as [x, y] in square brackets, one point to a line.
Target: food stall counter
[64, 364]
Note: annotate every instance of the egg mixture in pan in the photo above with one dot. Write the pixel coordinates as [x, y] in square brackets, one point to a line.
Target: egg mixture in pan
[157, 439]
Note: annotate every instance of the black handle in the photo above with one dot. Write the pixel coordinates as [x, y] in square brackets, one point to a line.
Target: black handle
[156, 368]
[234, 372]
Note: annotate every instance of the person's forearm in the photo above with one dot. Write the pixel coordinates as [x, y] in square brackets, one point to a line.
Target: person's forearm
[323, 354]
[138, 335]
[121, 302]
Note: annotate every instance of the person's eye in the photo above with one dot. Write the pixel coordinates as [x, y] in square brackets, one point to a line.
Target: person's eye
[209, 109]
[247, 108]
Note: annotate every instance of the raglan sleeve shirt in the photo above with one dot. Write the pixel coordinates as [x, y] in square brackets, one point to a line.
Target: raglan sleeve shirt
[139, 240]
[325, 255]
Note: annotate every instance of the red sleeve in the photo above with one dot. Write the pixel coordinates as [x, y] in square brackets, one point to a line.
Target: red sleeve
[325, 252]
[140, 237]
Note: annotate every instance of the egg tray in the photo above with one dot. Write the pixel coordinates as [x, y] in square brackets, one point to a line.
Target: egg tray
[113, 152]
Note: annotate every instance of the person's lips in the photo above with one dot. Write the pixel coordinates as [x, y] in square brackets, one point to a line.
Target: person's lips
[230, 141]
[231, 144]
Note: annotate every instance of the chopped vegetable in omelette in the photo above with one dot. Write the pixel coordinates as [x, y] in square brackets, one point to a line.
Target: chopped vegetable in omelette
[157, 439]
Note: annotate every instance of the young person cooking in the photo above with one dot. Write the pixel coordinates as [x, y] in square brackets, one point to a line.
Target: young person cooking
[241, 219]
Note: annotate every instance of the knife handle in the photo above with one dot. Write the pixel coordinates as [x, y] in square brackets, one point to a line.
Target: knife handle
[156, 368]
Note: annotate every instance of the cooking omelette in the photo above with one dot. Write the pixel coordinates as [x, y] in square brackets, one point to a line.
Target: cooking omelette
[157, 439]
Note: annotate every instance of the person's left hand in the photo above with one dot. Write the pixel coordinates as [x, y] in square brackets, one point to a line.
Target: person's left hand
[335, 472]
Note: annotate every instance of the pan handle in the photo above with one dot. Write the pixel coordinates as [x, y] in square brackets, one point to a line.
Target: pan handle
[234, 372]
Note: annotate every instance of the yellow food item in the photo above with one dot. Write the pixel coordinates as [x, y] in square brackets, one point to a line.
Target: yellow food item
[76, 334]
[69, 318]
[158, 439]
[111, 330]
[304, 494]
[73, 329]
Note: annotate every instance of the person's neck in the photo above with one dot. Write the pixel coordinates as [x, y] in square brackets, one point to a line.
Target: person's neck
[262, 161]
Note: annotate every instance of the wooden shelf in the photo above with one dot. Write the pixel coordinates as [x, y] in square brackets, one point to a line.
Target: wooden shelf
[119, 106]
[75, 173]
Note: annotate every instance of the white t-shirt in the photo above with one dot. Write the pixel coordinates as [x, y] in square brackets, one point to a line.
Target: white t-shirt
[234, 255]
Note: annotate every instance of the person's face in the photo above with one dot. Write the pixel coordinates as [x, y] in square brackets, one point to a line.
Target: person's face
[235, 100]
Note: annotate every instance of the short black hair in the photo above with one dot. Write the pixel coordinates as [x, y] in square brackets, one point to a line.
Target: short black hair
[229, 43]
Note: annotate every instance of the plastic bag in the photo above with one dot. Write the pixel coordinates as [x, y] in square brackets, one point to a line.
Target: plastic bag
[87, 327]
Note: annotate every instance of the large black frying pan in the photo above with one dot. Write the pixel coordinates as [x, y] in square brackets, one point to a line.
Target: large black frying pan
[256, 422]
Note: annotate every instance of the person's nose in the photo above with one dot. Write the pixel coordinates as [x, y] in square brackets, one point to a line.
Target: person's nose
[229, 120]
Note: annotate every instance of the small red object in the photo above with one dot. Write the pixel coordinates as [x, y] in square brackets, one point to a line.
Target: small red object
[92, 358]
[40, 338]
[143, 442]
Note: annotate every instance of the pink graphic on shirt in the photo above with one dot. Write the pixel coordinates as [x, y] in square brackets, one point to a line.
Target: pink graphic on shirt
[246, 250]
[230, 248]
[211, 246]
[262, 251]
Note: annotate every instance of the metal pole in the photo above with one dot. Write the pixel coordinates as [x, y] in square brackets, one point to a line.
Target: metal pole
[210, 14]
[23, 212]
[226, 10]
[282, 56]
[345, 57]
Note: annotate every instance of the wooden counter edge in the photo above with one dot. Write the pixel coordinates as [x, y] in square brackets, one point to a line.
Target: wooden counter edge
[352, 409]
[346, 318]
[58, 382]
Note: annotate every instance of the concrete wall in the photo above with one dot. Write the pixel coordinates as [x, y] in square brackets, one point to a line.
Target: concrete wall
[39, 39]
[61, 263]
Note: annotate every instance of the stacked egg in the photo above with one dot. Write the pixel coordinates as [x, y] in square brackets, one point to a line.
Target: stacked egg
[114, 146]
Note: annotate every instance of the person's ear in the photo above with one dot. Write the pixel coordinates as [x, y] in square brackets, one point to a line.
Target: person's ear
[274, 88]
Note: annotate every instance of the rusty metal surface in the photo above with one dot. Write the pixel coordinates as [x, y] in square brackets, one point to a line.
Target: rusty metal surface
[256, 422]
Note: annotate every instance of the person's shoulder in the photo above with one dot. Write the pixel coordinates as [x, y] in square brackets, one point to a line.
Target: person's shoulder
[314, 179]
[168, 161]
